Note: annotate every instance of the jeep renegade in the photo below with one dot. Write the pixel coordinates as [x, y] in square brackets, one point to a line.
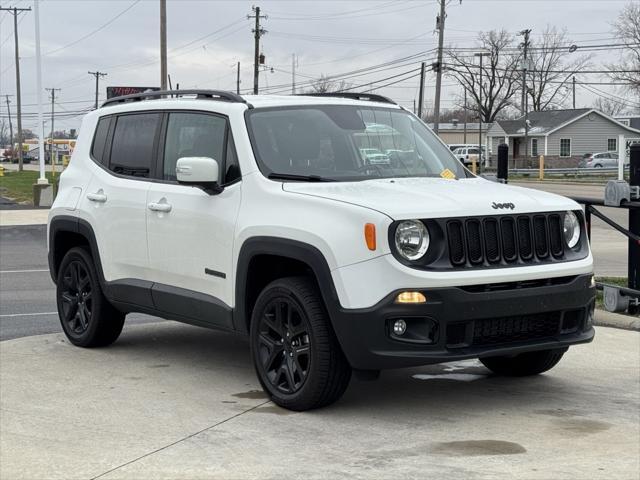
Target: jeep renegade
[337, 232]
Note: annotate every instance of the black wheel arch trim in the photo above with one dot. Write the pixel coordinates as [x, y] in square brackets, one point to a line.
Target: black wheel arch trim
[282, 247]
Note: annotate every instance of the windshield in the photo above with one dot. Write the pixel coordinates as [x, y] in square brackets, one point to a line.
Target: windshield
[346, 143]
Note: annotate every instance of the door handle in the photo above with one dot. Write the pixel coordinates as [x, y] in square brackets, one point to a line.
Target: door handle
[159, 207]
[99, 197]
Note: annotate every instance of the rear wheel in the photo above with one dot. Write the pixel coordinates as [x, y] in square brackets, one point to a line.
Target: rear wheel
[525, 364]
[86, 316]
[295, 352]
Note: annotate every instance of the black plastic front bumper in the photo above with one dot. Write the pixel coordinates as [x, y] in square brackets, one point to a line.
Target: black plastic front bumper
[468, 322]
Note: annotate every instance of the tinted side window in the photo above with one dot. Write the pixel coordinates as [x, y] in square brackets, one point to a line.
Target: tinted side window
[133, 144]
[232, 167]
[100, 140]
[193, 135]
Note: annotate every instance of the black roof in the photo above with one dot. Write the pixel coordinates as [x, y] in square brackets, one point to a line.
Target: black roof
[541, 122]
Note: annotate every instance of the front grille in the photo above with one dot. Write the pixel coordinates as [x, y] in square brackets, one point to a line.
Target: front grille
[521, 328]
[507, 239]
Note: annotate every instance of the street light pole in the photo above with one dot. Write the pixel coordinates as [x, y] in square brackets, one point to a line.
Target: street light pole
[42, 179]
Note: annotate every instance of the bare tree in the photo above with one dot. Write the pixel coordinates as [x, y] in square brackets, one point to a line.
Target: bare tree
[4, 134]
[608, 106]
[325, 85]
[552, 66]
[627, 29]
[499, 73]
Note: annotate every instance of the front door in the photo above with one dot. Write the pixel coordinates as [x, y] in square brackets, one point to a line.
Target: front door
[190, 232]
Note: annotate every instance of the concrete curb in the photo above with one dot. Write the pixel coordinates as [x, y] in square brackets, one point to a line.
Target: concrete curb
[616, 320]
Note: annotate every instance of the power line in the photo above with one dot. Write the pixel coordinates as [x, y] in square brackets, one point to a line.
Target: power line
[93, 32]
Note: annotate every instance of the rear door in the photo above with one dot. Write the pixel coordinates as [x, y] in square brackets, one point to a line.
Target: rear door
[191, 237]
[117, 193]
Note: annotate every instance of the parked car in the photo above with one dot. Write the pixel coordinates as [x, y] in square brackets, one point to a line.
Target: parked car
[258, 215]
[467, 154]
[373, 156]
[600, 160]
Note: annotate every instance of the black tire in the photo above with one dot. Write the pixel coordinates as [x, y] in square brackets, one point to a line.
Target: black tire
[525, 364]
[295, 352]
[87, 318]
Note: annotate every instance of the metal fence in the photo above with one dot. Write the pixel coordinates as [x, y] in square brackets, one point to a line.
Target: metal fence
[618, 194]
[573, 172]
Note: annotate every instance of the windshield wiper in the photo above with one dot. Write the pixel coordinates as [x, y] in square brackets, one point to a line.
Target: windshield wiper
[301, 178]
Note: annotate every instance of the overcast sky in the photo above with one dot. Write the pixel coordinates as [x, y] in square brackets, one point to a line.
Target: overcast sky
[207, 38]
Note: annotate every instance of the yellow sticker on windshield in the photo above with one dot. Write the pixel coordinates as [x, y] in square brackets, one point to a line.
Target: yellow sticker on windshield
[446, 173]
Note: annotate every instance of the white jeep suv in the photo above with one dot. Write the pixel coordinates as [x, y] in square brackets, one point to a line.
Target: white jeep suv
[260, 215]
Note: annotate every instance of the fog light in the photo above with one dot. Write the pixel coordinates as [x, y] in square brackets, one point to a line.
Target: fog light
[411, 297]
[399, 327]
[593, 281]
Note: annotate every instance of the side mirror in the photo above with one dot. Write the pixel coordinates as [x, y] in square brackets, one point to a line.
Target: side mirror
[199, 172]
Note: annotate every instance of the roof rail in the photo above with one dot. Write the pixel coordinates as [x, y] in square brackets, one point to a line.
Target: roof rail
[159, 94]
[369, 97]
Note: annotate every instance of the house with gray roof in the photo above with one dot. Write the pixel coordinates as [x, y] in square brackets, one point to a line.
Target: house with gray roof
[562, 136]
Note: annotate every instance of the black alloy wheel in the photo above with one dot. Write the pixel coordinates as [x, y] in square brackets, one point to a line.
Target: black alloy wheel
[87, 317]
[284, 345]
[295, 351]
[77, 299]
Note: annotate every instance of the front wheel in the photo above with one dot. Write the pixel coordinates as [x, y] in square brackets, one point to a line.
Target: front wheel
[295, 352]
[525, 364]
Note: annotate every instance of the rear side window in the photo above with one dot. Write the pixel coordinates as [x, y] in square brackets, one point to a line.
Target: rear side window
[132, 148]
[100, 140]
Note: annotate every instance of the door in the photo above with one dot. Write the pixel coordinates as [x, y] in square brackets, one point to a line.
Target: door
[117, 193]
[190, 232]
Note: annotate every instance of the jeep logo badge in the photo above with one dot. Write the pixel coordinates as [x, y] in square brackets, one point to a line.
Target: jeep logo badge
[497, 206]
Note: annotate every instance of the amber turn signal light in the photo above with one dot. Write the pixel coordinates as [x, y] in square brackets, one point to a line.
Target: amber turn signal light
[411, 297]
[370, 235]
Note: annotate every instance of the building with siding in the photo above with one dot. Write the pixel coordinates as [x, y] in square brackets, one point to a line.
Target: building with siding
[562, 136]
[459, 133]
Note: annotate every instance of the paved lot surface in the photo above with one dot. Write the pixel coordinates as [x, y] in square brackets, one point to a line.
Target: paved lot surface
[27, 294]
[609, 247]
[173, 401]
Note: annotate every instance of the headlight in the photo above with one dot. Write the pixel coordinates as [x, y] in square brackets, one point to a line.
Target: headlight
[412, 239]
[571, 229]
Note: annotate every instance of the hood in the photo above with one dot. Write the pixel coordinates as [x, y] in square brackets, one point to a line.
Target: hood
[404, 198]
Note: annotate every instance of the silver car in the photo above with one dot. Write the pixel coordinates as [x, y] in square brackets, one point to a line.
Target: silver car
[604, 159]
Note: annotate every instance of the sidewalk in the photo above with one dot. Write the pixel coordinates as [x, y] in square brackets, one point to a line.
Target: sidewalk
[16, 217]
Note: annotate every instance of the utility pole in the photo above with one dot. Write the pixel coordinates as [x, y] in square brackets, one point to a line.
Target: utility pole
[10, 127]
[421, 92]
[525, 50]
[294, 63]
[98, 75]
[163, 45]
[465, 115]
[481, 54]
[525, 97]
[574, 92]
[257, 33]
[440, 27]
[15, 11]
[238, 79]
[53, 99]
